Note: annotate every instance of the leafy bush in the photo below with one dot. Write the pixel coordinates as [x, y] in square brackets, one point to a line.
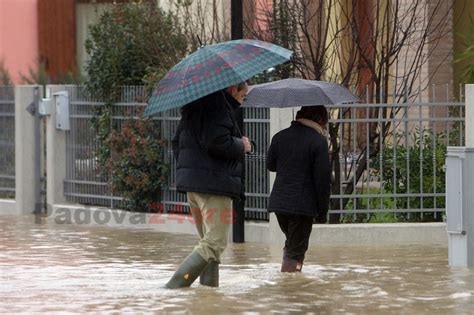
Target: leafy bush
[37, 74]
[132, 44]
[135, 163]
[412, 169]
[5, 77]
[468, 53]
[370, 203]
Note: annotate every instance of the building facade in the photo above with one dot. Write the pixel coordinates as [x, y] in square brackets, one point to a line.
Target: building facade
[53, 32]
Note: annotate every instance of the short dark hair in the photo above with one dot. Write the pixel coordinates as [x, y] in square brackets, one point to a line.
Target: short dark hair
[318, 114]
[241, 86]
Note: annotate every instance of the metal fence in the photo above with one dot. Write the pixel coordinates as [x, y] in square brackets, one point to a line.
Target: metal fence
[7, 142]
[387, 159]
[256, 125]
[85, 183]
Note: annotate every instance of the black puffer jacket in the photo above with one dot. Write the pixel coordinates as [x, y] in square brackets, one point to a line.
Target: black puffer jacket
[299, 155]
[208, 147]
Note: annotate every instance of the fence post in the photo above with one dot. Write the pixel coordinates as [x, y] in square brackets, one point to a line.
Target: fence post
[469, 118]
[55, 153]
[469, 202]
[280, 118]
[27, 158]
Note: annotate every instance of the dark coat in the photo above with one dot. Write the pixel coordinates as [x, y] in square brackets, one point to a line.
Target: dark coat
[299, 155]
[208, 147]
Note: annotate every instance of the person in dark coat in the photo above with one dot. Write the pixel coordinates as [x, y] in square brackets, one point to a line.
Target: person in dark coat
[299, 156]
[209, 149]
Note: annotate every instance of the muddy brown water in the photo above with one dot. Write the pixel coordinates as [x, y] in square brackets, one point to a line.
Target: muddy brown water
[64, 268]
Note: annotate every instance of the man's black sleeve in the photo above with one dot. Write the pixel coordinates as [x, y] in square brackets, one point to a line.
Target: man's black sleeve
[218, 133]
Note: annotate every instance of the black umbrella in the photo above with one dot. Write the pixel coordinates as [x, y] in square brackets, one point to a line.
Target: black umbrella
[298, 92]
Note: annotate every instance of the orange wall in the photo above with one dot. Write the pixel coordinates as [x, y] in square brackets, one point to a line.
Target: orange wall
[18, 36]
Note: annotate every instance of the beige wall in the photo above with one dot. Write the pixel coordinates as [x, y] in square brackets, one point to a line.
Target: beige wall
[440, 65]
[434, 82]
[86, 14]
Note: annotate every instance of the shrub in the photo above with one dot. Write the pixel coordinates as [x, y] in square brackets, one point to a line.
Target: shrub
[37, 74]
[132, 44]
[5, 77]
[415, 168]
[467, 39]
[370, 203]
[135, 163]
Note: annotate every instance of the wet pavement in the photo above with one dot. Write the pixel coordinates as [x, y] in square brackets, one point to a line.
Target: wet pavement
[68, 268]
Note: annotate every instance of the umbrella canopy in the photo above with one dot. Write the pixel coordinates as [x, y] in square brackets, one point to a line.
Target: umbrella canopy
[213, 68]
[297, 92]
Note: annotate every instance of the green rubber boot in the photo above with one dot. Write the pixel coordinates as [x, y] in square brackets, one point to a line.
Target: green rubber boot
[188, 271]
[210, 275]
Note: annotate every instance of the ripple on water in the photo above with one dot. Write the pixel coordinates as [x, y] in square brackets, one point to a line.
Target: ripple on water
[64, 268]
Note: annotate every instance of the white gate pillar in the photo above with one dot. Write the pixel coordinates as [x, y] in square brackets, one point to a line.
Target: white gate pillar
[55, 152]
[459, 193]
[27, 146]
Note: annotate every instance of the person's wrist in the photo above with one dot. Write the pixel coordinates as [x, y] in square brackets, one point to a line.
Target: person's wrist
[252, 148]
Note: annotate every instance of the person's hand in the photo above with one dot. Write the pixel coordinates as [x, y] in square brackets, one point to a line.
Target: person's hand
[247, 145]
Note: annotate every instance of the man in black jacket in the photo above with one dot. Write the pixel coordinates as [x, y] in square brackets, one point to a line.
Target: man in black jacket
[299, 155]
[209, 150]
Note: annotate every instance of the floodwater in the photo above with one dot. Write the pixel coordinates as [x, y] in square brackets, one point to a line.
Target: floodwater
[76, 269]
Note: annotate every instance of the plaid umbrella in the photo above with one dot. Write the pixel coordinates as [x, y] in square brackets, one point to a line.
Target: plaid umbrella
[297, 92]
[212, 68]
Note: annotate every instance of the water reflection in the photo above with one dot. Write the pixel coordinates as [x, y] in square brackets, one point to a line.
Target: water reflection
[66, 268]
